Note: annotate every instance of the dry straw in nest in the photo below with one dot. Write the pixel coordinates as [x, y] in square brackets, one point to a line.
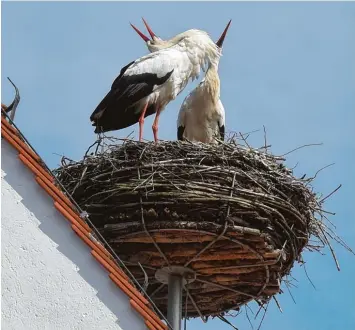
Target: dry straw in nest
[235, 215]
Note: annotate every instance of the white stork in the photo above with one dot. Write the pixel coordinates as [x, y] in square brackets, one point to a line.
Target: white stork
[201, 116]
[146, 85]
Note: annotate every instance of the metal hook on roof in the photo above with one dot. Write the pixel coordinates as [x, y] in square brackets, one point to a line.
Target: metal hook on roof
[13, 106]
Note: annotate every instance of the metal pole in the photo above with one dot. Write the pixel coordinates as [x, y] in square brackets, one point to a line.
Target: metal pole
[175, 300]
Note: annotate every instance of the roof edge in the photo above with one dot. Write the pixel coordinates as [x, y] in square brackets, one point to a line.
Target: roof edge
[62, 203]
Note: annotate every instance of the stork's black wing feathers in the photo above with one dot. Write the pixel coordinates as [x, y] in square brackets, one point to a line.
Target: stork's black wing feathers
[180, 133]
[118, 108]
[123, 70]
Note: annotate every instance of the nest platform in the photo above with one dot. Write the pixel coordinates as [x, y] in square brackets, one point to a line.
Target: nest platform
[235, 216]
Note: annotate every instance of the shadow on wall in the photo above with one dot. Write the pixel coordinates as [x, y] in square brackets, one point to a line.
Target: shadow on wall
[58, 229]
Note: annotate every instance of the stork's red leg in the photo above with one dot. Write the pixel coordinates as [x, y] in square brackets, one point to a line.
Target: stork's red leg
[141, 122]
[155, 124]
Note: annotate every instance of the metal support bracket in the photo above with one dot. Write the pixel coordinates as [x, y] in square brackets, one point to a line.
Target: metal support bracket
[176, 277]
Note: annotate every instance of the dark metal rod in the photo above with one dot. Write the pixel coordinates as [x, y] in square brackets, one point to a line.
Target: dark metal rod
[15, 102]
[175, 300]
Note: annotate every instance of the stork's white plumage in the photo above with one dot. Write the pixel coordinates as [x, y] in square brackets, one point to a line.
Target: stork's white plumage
[146, 85]
[201, 116]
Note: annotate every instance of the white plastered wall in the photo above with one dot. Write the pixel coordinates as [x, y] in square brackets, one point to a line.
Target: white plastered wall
[49, 278]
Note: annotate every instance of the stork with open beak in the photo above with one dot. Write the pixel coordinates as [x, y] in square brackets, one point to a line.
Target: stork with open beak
[155, 43]
[146, 85]
[201, 116]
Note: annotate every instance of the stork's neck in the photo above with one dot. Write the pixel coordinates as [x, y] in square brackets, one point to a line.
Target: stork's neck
[211, 85]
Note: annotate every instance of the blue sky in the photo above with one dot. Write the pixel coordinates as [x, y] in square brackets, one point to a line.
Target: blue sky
[288, 66]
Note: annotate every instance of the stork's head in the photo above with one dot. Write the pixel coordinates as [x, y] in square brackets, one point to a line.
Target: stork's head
[157, 43]
[153, 44]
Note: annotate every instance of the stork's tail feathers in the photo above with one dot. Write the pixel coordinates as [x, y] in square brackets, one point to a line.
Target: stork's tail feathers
[99, 111]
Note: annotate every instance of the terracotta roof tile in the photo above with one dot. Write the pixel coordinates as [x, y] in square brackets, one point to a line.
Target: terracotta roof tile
[62, 203]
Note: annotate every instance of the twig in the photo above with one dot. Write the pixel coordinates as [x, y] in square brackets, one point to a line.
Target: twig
[146, 279]
[245, 140]
[335, 190]
[309, 279]
[289, 291]
[306, 145]
[222, 318]
[315, 175]
[261, 306]
[277, 303]
[88, 149]
[265, 143]
[261, 322]
[330, 247]
[246, 312]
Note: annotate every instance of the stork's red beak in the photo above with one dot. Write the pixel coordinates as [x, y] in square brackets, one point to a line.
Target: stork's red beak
[152, 34]
[219, 43]
[142, 35]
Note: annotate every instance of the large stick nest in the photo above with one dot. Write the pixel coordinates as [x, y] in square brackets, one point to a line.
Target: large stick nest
[235, 215]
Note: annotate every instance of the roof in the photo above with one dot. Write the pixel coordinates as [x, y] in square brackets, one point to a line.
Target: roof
[64, 205]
